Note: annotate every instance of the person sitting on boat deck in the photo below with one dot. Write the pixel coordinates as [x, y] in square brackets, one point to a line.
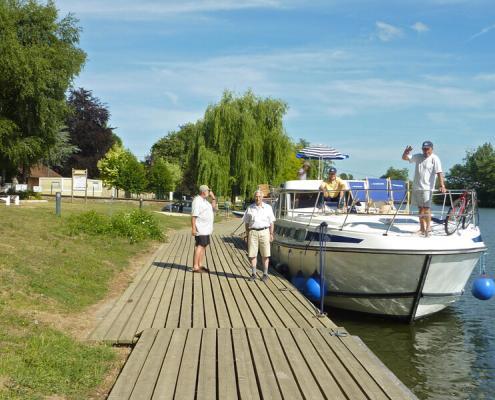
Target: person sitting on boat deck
[202, 225]
[428, 167]
[258, 220]
[302, 174]
[333, 188]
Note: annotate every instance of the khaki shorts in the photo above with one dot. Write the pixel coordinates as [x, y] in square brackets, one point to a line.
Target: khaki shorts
[421, 198]
[259, 240]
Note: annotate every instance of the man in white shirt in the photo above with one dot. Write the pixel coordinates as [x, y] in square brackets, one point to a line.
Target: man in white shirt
[259, 220]
[202, 225]
[428, 167]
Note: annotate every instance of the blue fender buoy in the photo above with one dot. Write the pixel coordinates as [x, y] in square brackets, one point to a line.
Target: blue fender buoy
[483, 288]
[299, 281]
[313, 288]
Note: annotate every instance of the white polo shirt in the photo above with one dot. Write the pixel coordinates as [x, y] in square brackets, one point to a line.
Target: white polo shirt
[203, 211]
[426, 171]
[259, 217]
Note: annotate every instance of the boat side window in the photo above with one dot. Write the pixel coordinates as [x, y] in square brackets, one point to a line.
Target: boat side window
[300, 235]
[291, 232]
[305, 200]
[312, 236]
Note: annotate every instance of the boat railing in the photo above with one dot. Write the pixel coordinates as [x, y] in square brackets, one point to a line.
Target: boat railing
[454, 208]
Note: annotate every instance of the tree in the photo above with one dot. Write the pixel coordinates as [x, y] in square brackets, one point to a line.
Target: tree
[119, 168]
[173, 147]
[39, 58]
[110, 165]
[160, 178]
[89, 131]
[346, 177]
[395, 173]
[477, 172]
[132, 175]
[61, 151]
[239, 144]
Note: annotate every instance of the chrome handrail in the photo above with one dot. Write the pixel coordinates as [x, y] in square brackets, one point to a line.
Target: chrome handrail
[448, 198]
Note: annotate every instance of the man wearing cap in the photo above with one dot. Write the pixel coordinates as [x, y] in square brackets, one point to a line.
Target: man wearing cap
[333, 188]
[302, 174]
[202, 225]
[428, 167]
[259, 220]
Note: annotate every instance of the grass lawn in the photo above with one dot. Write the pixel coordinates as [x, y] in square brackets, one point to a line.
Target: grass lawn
[47, 275]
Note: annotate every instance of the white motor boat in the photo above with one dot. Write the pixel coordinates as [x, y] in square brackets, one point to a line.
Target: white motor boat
[375, 260]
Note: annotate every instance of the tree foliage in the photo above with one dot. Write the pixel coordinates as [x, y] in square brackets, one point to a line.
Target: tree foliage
[173, 147]
[39, 58]
[110, 165]
[478, 171]
[89, 131]
[160, 179]
[239, 144]
[132, 175]
[396, 173]
[120, 169]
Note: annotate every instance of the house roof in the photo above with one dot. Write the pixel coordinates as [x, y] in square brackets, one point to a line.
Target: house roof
[39, 171]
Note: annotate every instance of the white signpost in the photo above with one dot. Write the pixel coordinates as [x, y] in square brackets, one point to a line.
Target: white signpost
[79, 182]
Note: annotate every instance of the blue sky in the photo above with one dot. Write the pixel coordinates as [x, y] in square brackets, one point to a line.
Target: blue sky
[366, 77]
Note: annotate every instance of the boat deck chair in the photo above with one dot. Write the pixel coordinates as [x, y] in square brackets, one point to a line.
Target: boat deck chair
[379, 196]
[400, 194]
[358, 195]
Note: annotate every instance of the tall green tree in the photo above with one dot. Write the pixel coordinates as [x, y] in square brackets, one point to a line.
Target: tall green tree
[160, 179]
[239, 144]
[478, 171]
[119, 168]
[132, 175]
[397, 173]
[89, 131]
[39, 58]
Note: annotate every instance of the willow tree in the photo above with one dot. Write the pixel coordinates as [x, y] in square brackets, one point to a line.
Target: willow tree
[240, 144]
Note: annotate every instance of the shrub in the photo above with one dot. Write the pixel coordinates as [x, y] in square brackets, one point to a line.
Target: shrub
[89, 222]
[25, 195]
[135, 225]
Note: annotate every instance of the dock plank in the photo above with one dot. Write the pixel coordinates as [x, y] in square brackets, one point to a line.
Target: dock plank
[127, 378]
[227, 386]
[166, 383]
[207, 375]
[246, 377]
[264, 372]
[145, 384]
[286, 380]
[187, 379]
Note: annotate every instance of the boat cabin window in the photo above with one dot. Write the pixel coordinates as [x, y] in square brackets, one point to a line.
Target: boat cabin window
[300, 235]
[305, 200]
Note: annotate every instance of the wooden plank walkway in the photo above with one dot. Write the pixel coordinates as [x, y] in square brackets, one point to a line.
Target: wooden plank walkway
[166, 294]
[219, 336]
[253, 363]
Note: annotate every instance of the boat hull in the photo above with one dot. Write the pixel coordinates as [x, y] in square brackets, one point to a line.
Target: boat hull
[408, 285]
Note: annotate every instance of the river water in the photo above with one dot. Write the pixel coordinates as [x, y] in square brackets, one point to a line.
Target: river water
[450, 355]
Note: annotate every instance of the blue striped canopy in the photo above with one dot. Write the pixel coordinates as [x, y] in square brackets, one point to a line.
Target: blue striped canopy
[321, 152]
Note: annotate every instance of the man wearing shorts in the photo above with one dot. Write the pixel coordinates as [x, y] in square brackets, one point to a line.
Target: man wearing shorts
[428, 167]
[202, 225]
[259, 220]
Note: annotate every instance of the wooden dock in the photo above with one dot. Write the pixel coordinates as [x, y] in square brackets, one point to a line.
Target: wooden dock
[218, 336]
